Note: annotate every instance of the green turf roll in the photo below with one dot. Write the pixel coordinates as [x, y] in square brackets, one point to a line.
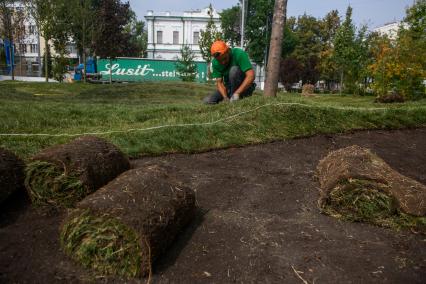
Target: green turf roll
[125, 226]
[64, 174]
[357, 185]
[11, 173]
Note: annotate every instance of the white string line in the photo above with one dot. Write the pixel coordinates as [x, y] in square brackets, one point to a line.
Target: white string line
[188, 124]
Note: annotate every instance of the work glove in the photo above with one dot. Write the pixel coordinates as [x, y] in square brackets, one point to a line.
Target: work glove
[235, 97]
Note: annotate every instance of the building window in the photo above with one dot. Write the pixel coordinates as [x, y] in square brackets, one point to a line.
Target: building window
[32, 29]
[33, 48]
[159, 36]
[175, 37]
[71, 48]
[196, 37]
[23, 48]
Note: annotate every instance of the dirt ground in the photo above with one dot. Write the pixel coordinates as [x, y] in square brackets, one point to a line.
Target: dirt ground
[257, 222]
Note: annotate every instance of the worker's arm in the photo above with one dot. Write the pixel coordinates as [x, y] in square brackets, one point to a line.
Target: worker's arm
[221, 88]
[247, 82]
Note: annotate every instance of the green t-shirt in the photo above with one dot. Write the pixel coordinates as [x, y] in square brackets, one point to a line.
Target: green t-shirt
[238, 58]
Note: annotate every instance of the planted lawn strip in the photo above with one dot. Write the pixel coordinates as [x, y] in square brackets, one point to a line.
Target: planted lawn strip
[83, 108]
[357, 185]
[126, 225]
[64, 174]
[11, 173]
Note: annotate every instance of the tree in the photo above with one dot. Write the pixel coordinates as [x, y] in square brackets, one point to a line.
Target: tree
[110, 41]
[186, 65]
[82, 27]
[327, 66]
[207, 37]
[42, 12]
[307, 31]
[344, 47]
[399, 66]
[272, 72]
[12, 18]
[290, 72]
[290, 41]
[231, 25]
[258, 29]
[138, 40]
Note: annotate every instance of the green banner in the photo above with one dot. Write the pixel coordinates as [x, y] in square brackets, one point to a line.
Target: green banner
[136, 69]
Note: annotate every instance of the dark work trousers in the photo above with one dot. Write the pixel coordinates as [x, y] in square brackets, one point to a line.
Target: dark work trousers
[236, 77]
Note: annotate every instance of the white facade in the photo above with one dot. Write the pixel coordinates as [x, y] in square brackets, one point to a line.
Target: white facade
[391, 30]
[30, 48]
[168, 32]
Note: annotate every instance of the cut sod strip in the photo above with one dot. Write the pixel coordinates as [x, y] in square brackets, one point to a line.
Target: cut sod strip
[356, 185]
[63, 175]
[122, 228]
[102, 243]
[11, 173]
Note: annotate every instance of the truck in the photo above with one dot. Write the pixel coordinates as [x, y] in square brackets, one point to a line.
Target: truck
[125, 69]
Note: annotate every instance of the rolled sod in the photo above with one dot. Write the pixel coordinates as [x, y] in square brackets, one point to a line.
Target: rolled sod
[11, 173]
[64, 174]
[357, 185]
[122, 228]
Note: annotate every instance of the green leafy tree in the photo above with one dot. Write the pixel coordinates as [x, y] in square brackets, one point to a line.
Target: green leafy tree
[231, 25]
[258, 29]
[138, 41]
[399, 66]
[207, 37]
[110, 41]
[43, 12]
[185, 64]
[307, 31]
[82, 28]
[11, 24]
[290, 40]
[344, 53]
[327, 66]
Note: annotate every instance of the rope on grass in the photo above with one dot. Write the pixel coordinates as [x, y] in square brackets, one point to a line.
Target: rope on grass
[188, 124]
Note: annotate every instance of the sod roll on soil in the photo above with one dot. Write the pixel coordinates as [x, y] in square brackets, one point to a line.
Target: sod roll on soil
[358, 185]
[11, 173]
[64, 174]
[123, 227]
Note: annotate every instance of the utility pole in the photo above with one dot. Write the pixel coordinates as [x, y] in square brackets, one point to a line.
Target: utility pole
[243, 19]
[273, 66]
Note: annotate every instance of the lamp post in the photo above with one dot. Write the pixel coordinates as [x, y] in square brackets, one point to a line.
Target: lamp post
[243, 17]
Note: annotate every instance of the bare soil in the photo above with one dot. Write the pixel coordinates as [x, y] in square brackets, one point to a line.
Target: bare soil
[257, 221]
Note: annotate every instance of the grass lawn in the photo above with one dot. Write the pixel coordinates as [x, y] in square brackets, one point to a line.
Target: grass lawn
[124, 110]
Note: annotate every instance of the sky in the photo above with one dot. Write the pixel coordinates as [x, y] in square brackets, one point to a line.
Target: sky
[374, 13]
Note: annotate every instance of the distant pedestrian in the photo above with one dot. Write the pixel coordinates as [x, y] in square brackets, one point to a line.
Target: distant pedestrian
[233, 72]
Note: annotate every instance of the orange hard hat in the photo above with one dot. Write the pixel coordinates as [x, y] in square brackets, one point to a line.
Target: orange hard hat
[218, 48]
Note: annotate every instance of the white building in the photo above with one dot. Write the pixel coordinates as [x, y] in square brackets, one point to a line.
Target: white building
[390, 29]
[30, 48]
[168, 32]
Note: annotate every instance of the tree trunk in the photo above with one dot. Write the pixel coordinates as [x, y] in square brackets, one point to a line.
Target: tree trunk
[341, 82]
[84, 49]
[273, 66]
[12, 59]
[110, 70]
[46, 63]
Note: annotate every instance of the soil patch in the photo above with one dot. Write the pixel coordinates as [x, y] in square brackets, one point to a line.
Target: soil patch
[258, 221]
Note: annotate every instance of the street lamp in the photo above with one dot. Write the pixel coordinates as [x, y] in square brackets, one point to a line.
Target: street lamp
[243, 16]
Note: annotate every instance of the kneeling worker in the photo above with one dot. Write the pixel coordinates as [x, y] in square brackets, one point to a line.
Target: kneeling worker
[233, 73]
